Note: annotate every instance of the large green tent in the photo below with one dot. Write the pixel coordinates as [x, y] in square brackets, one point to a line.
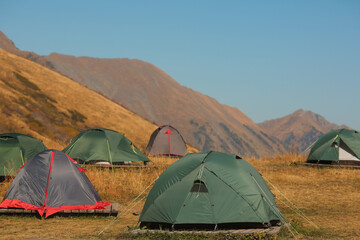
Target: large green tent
[210, 190]
[15, 150]
[103, 145]
[341, 146]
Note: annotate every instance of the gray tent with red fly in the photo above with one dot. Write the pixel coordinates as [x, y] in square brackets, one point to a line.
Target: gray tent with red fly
[51, 182]
[166, 140]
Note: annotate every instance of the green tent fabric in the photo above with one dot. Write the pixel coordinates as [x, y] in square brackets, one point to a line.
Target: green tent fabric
[100, 144]
[15, 150]
[210, 190]
[340, 146]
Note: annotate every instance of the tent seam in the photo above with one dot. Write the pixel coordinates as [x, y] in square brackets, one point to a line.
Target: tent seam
[47, 184]
[238, 193]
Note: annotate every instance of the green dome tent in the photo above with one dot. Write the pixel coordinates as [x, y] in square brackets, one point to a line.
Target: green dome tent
[103, 145]
[15, 150]
[210, 190]
[341, 146]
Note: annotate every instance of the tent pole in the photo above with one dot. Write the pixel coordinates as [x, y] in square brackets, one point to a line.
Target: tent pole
[110, 158]
[137, 225]
[21, 155]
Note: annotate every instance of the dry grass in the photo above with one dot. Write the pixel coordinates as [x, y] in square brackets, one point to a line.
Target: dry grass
[122, 185]
[53, 108]
[328, 196]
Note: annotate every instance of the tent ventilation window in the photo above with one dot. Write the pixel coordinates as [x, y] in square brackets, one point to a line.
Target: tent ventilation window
[334, 145]
[199, 187]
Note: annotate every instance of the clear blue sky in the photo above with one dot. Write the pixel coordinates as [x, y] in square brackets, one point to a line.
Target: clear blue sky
[267, 58]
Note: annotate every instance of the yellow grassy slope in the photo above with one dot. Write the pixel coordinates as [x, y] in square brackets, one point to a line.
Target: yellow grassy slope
[18, 115]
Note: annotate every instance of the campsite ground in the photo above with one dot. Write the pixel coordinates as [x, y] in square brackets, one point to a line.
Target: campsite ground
[327, 196]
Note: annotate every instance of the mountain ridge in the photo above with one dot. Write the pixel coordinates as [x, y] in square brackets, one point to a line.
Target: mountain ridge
[150, 92]
[299, 129]
[203, 121]
[56, 110]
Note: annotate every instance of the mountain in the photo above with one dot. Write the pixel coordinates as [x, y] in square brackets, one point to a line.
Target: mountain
[148, 91]
[54, 108]
[9, 46]
[298, 130]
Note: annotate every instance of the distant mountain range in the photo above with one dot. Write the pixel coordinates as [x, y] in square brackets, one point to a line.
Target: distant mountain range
[298, 130]
[148, 91]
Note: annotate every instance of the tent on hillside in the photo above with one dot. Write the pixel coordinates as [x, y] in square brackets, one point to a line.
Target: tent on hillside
[101, 145]
[51, 182]
[341, 146]
[166, 140]
[15, 150]
[210, 190]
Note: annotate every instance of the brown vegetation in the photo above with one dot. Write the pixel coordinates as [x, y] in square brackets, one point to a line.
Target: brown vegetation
[328, 196]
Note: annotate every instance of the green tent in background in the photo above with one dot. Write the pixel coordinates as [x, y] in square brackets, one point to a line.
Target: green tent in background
[103, 145]
[210, 190]
[15, 150]
[341, 146]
